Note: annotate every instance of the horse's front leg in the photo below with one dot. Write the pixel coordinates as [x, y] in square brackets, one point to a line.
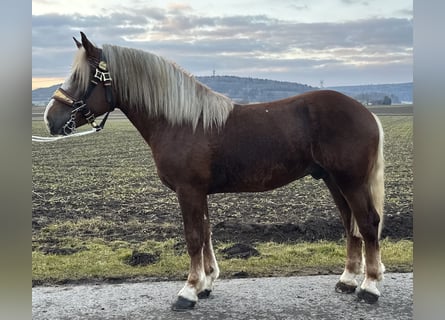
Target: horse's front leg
[210, 264]
[193, 205]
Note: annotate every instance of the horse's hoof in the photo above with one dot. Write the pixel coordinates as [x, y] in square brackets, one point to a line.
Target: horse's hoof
[204, 294]
[367, 296]
[183, 304]
[344, 288]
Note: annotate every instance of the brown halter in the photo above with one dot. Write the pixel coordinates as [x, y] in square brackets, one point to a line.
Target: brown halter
[101, 75]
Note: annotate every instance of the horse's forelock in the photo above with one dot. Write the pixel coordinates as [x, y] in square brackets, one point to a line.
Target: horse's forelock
[80, 71]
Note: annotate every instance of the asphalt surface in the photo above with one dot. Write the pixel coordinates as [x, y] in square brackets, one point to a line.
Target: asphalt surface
[310, 297]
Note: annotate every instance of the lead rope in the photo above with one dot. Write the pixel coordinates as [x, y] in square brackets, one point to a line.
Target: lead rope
[51, 139]
[95, 129]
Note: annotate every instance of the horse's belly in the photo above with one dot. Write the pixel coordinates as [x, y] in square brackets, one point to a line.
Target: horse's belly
[257, 178]
[271, 178]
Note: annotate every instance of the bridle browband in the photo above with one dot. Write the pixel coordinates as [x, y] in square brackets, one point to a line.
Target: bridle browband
[99, 75]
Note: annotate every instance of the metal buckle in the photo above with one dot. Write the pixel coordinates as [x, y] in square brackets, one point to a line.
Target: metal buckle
[103, 65]
[90, 118]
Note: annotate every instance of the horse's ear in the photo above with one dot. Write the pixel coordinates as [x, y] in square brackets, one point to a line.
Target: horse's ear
[89, 47]
[78, 44]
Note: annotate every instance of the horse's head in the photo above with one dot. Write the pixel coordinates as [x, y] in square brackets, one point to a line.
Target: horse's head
[85, 94]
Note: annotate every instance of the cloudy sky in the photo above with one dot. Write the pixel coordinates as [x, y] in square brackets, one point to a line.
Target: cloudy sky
[342, 42]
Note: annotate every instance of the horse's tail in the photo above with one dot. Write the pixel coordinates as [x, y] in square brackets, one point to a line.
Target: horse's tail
[376, 182]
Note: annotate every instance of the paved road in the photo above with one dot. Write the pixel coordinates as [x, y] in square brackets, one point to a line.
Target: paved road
[261, 298]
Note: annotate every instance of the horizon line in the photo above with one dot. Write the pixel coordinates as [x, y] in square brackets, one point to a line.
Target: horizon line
[52, 81]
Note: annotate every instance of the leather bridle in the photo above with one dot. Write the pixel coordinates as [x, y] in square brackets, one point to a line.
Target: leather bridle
[100, 74]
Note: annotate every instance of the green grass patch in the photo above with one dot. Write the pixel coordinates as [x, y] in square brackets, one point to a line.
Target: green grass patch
[100, 260]
[321, 257]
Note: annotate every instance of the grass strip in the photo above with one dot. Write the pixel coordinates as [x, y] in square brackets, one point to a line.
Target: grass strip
[98, 260]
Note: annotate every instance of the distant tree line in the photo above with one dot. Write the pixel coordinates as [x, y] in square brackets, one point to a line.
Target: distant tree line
[376, 99]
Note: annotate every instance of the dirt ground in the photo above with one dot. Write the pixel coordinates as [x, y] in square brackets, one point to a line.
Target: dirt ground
[283, 215]
[115, 203]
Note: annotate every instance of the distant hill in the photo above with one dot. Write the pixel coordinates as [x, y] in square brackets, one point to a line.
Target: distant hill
[248, 90]
[238, 89]
[41, 96]
[254, 90]
[398, 92]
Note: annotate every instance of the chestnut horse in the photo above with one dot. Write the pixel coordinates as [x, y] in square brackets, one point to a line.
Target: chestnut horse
[203, 143]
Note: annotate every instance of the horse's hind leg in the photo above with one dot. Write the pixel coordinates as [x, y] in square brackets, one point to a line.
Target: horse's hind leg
[210, 264]
[354, 256]
[368, 220]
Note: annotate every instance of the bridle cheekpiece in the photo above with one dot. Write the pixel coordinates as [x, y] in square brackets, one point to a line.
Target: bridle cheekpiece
[99, 75]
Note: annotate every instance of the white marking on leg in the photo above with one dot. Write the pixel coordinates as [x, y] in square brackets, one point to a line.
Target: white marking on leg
[215, 273]
[370, 285]
[362, 264]
[189, 291]
[208, 283]
[215, 269]
[382, 269]
[349, 278]
[213, 262]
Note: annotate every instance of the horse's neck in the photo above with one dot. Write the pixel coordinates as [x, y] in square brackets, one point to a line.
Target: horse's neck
[151, 129]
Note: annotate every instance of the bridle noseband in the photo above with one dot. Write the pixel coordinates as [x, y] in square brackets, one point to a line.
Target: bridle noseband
[99, 75]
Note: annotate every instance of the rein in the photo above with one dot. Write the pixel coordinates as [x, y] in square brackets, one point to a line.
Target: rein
[101, 75]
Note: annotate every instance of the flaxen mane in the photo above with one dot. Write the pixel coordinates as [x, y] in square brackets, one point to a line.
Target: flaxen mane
[160, 88]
